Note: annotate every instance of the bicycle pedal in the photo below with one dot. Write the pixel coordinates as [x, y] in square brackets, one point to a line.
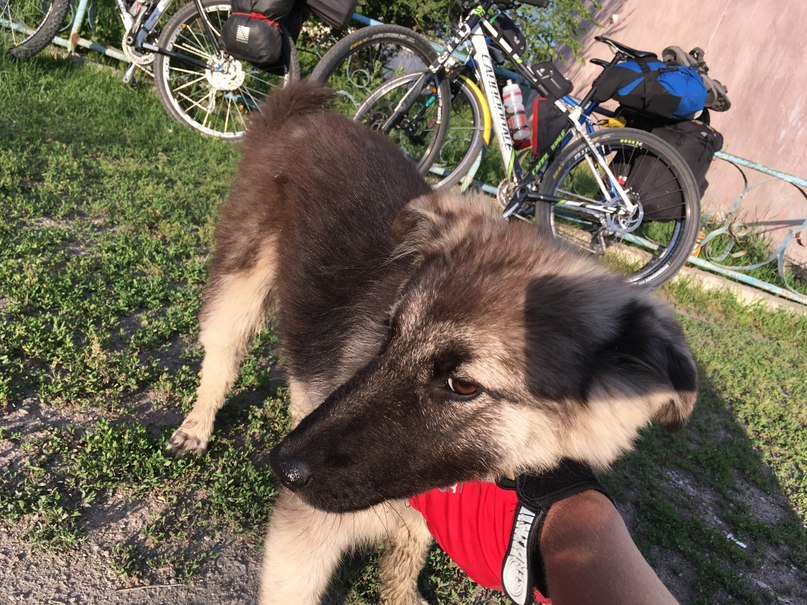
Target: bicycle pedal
[128, 77]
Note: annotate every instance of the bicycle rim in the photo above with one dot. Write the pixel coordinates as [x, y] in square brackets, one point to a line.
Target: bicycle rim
[215, 101]
[463, 142]
[469, 132]
[28, 26]
[649, 246]
[367, 60]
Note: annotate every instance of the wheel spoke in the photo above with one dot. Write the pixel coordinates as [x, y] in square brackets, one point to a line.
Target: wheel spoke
[203, 44]
[193, 103]
[216, 99]
[199, 53]
[190, 83]
[649, 249]
[211, 102]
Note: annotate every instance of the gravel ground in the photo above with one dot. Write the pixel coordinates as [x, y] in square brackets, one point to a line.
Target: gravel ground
[31, 576]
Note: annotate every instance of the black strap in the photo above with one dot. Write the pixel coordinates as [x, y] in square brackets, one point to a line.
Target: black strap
[518, 568]
[523, 566]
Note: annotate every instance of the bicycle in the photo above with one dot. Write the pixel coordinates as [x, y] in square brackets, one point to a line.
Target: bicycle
[582, 189]
[199, 84]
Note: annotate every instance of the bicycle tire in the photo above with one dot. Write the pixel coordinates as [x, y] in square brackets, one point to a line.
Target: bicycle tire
[467, 132]
[214, 102]
[390, 51]
[563, 179]
[44, 21]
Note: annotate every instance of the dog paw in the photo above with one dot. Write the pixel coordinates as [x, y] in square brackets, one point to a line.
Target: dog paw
[187, 440]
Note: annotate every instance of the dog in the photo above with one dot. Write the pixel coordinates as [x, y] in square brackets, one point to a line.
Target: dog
[426, 342]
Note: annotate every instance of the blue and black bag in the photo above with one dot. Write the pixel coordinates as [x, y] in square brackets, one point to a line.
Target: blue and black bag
[675, 92]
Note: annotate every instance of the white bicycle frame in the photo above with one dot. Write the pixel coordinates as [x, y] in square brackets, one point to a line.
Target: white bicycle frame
[490, 88]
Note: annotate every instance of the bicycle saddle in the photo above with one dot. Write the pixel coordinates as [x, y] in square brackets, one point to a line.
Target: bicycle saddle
[631, 52]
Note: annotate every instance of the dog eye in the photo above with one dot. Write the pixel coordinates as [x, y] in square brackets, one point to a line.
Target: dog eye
[462, 387]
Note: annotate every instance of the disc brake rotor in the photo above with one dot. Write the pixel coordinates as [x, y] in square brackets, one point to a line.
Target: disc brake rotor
[624, 221]
[227, 74]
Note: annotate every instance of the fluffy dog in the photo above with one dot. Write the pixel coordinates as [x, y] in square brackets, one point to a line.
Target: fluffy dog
[426, 342]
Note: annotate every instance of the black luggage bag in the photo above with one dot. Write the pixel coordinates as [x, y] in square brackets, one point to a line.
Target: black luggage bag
[549, 124]
[253, 31]
[695, 140]
[336, 13]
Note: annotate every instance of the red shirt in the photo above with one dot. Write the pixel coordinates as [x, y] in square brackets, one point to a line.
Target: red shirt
[472, 523]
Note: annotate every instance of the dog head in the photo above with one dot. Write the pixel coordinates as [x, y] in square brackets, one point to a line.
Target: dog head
[503, 352]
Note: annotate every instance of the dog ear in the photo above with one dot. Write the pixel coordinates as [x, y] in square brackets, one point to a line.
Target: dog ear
[420, 221]
[614, 349]
[648, 358]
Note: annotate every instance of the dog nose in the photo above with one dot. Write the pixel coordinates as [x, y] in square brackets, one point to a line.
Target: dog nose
[292, 472]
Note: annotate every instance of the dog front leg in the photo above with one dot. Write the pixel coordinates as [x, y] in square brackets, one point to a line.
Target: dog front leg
[304, 546]
[403, 559]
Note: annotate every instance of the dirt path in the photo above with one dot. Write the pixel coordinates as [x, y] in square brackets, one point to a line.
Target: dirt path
[31, 576]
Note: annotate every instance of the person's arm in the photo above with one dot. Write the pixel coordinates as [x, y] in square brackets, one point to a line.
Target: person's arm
[590, 558]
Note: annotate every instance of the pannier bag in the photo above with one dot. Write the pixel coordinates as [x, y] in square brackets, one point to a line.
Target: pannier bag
[697, 143]
[336, 13]
[652, 87]
[252, 31]
[549, 124]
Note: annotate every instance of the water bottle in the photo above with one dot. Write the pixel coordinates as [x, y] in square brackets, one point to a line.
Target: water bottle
[516, 116]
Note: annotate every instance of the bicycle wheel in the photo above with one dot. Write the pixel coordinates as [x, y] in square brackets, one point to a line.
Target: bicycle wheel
[28, 26]
[652, 244]
[468, 130]
[366, 59]
[217, 99]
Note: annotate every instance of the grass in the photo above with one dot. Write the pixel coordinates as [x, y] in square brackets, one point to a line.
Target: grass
[108, 213]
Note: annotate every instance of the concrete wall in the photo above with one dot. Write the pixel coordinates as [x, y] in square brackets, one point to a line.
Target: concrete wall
[758, 49]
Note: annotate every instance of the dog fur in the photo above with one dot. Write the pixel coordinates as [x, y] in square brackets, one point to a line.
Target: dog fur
[388, 299]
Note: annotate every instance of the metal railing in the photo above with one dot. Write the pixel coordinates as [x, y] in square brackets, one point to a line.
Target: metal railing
[725, 234]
